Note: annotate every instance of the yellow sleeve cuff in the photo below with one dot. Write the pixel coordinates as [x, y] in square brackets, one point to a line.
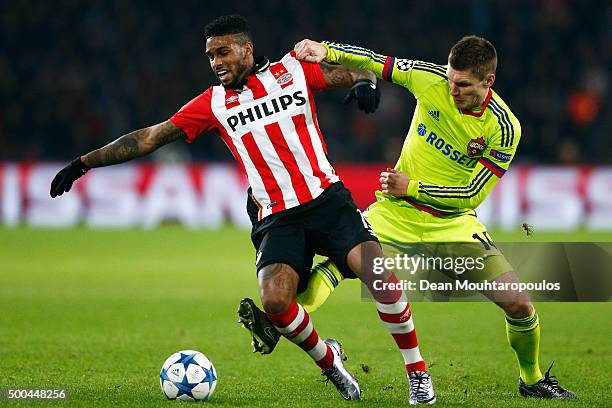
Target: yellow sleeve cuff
[331, 54]
[413, 188]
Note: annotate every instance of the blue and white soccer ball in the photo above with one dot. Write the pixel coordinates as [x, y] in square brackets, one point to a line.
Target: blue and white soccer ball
[188, 375]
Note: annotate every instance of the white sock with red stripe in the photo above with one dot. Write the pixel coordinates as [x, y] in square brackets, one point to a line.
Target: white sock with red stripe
[394, 311]
[295, 325]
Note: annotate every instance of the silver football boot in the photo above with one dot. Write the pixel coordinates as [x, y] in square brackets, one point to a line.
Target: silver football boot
[344, 381]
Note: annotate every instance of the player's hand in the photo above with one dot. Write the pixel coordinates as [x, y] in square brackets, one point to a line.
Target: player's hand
[310, 51]
[62, 182]
[367, 94]
[394, 182]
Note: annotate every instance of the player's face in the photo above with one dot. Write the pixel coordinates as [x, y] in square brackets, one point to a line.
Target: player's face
[467, 90]
[228, 57]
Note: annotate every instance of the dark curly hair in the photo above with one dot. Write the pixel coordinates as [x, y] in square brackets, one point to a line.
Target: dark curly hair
[231, 24]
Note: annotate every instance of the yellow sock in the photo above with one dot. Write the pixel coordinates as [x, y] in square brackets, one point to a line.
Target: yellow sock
[524, 338]
[324, 278]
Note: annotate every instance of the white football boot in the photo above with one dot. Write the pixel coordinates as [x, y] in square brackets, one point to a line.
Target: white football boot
[421, 388]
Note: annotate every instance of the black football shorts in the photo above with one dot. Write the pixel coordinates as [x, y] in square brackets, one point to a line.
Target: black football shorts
[330, 225]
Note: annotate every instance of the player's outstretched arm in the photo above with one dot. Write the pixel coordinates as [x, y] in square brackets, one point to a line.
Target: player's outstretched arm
[130, 146]
[414, 75]
[349, 55]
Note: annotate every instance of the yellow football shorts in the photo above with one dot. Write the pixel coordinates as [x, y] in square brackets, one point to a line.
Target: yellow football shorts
[446, 242]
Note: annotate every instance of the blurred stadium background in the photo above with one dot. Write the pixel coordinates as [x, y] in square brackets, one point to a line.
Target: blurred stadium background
[75, 75]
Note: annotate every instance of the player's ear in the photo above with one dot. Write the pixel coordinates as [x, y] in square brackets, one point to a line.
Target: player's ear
[248, 48]
[489, 80]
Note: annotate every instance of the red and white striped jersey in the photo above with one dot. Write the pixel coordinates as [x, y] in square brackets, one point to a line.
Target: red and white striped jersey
[271, 128]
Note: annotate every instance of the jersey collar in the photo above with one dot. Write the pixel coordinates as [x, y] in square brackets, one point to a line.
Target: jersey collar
[261, 64]
[484, 106]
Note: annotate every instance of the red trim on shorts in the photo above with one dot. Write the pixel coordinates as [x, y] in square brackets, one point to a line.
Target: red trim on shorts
[427, 209]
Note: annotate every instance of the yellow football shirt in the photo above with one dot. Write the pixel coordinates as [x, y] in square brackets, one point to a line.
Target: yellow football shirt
[453, 158]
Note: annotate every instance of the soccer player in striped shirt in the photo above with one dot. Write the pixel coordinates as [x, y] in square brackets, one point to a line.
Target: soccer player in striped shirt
[265, 113]
[461, 141]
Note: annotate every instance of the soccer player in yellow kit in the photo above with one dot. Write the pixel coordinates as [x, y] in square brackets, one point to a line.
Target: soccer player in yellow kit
[461, 141]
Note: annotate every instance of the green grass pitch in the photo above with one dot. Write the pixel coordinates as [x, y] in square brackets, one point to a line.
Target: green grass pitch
[99, 311]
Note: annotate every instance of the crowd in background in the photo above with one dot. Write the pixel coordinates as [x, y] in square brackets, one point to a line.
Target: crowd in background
[77, 74]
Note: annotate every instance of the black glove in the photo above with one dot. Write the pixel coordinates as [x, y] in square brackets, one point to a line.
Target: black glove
[62, 182]
[367, 94]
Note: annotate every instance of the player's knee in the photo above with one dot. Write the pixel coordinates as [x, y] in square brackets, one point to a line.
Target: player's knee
[361, 259]
[518, 309]
[277, 287]
[275, 303]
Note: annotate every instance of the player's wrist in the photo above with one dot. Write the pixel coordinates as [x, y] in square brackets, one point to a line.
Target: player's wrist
[80, 164]
[328, 54]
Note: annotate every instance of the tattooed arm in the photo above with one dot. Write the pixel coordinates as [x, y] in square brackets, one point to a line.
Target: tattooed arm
[132, 145]
[338, 76]
[127, 147]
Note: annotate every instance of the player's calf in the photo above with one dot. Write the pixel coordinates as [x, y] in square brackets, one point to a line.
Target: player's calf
[394, 311]
[295, 325]
[324, 278]
[523, 332]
